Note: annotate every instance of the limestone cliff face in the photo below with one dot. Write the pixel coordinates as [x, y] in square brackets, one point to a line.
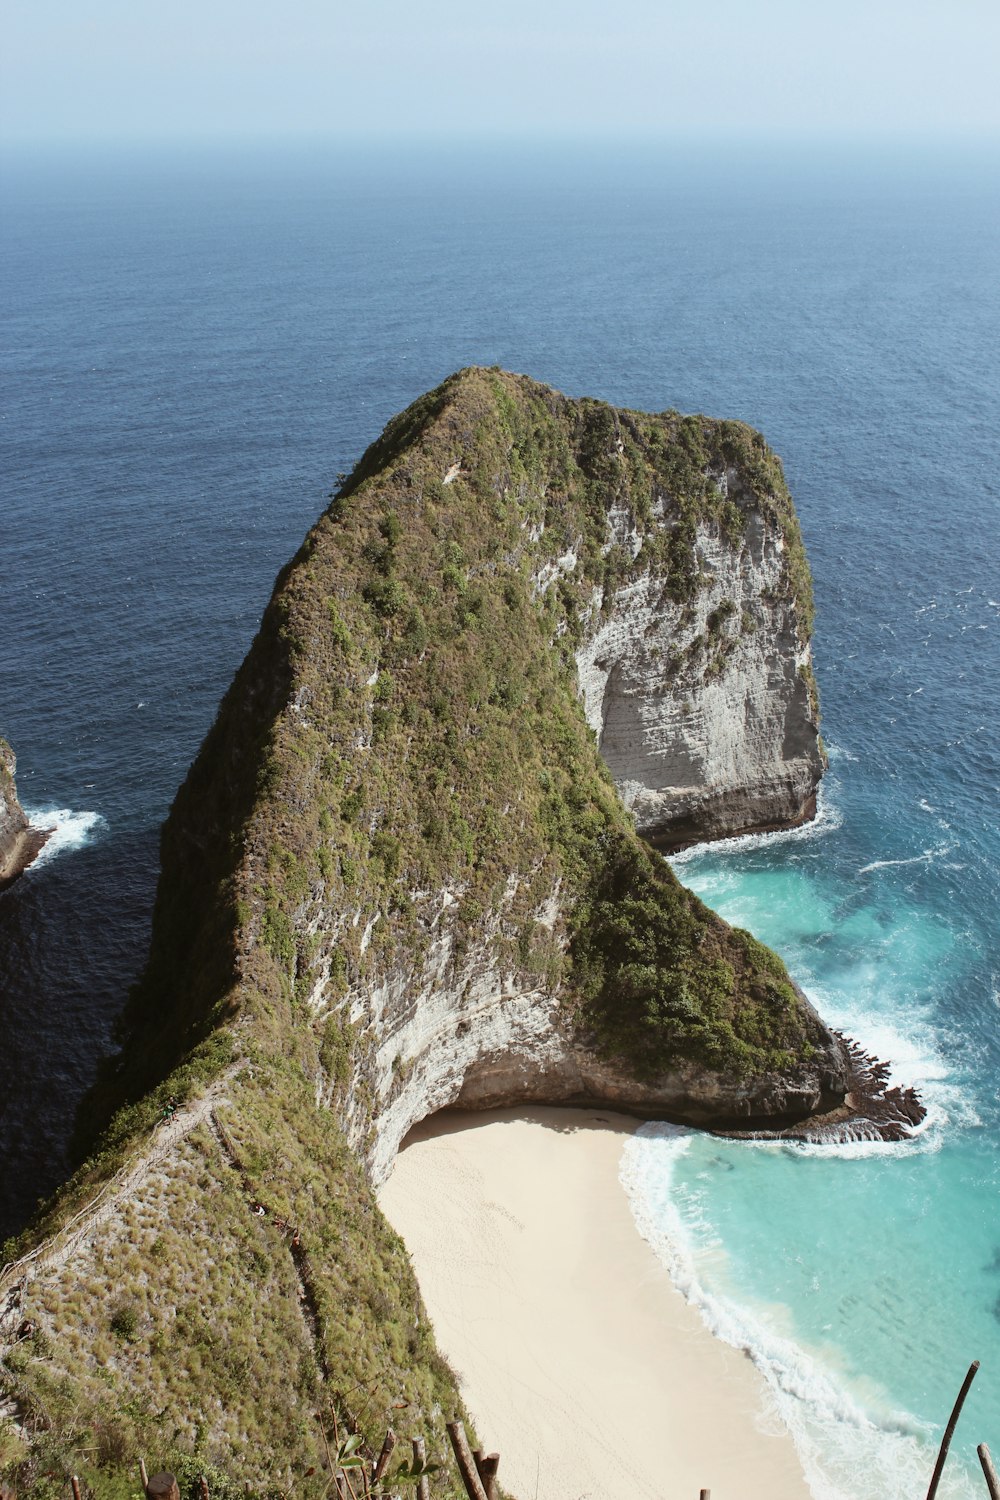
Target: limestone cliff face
[464, 1028]
[705, 710]
[13, 822]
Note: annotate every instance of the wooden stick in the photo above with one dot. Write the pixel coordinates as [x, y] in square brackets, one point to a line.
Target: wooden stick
[949, 1430]
[479, 1458]
[488, 1474]
[142, 1472]
[704, 1495]
[203, 1486]
[466, 1462]
[76, 1487]
[162, 1487]
[420, 1457]
[992, 1482]
[382, 1462]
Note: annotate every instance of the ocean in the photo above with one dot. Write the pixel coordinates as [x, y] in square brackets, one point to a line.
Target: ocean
[195, 342]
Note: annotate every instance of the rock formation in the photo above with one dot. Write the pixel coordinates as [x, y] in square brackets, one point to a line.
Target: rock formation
[399, 877]
[705, 708]
[17, 848]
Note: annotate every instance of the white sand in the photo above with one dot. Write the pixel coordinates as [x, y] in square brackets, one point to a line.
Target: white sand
[579, 1361]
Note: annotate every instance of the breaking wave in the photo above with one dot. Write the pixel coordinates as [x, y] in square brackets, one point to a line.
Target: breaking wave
[851, 1439]
[70, 830]
[828, 817]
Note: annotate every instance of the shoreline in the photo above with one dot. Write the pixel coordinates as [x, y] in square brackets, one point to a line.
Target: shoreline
[578, 1358]
[27, 845]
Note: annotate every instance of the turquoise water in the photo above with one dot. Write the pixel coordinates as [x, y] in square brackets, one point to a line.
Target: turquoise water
[863, 1277]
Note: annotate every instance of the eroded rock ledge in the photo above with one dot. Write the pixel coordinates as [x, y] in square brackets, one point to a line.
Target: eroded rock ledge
[871, 1109]
[19, 842]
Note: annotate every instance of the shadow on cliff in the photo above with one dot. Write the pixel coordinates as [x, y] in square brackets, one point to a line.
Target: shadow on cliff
[62, 987]
[563, 1119]
[188, 989]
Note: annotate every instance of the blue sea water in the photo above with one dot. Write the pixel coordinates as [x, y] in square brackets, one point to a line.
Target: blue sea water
[195, 343]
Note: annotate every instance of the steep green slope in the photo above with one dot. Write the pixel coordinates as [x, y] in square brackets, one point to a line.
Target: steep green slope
[403, 753]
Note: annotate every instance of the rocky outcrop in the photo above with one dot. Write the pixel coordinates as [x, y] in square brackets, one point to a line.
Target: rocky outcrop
[18, 844]
[423, 870]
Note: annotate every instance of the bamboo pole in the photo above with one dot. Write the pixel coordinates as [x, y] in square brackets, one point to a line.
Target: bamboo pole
[992, 1482]
[420, 1458]
[382, 1462]
[466, 1462]
[950, 1429]
[162, 1487]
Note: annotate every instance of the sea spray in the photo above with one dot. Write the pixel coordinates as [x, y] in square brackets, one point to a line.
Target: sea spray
[70, 830]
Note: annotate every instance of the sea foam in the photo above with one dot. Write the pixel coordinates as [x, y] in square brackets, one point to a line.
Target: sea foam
[70, 830]
[828, 817]
[927, 857]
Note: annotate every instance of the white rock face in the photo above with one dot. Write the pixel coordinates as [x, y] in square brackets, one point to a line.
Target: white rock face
[703, 710]
[422, 1028]
[457, 1026]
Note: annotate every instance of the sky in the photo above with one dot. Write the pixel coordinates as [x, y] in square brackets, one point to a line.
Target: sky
[137, 70]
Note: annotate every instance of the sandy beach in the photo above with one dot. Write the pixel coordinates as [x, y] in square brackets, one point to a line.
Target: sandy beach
[579, 1361]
